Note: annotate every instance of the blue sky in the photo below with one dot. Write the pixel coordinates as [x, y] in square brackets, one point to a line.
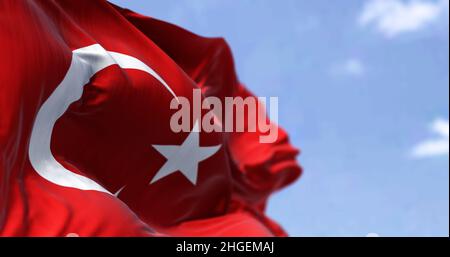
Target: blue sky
[363, 89]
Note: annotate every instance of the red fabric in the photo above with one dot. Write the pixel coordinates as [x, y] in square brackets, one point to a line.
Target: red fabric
[107, 135]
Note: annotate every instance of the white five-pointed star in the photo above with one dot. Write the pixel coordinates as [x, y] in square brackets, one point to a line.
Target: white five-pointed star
[184, 157]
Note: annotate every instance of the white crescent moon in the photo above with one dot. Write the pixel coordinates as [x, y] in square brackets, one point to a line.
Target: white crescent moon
[86, 62]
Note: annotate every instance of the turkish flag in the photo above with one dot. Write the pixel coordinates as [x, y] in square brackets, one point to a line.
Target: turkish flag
[86, 146]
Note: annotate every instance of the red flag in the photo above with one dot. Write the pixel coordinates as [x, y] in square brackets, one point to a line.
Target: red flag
[86, 143]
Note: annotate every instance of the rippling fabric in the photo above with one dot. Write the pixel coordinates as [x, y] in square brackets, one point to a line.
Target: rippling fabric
[105, 76]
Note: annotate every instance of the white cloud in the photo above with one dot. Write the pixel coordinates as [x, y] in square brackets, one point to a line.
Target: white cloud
[393, 17]
[438, 146]
[350, 67]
